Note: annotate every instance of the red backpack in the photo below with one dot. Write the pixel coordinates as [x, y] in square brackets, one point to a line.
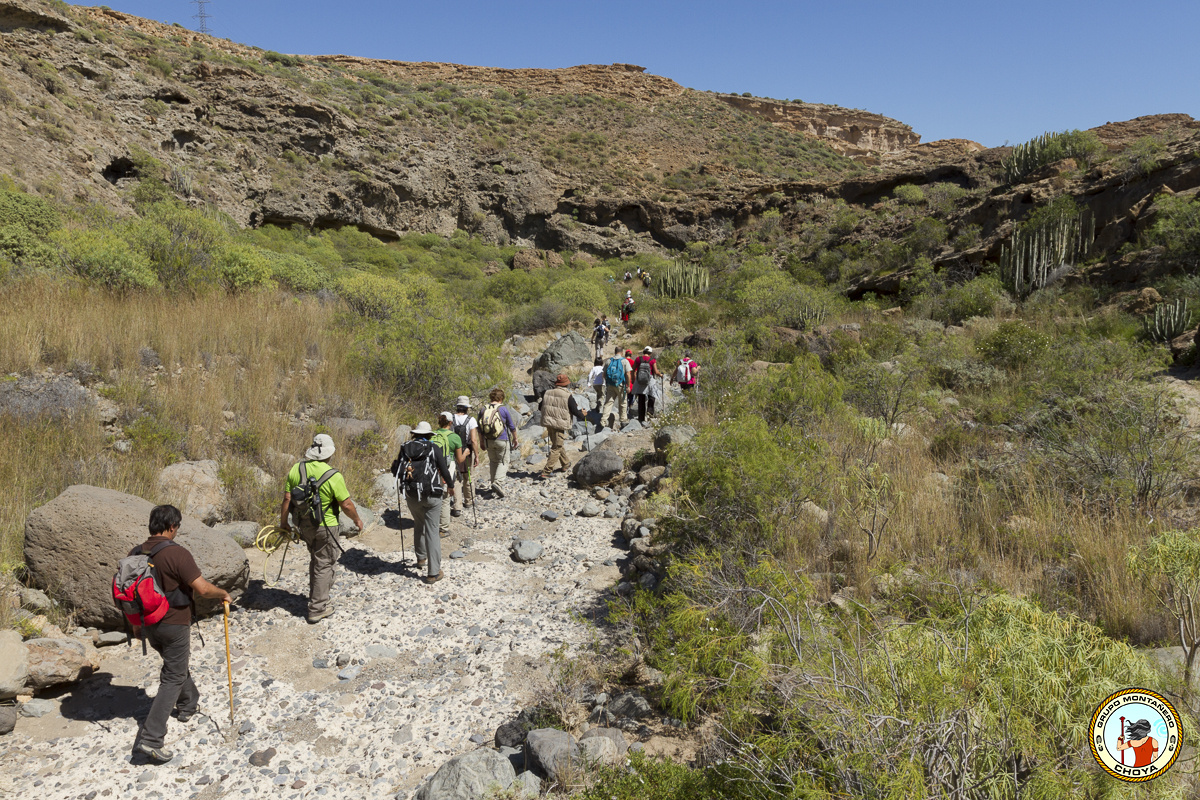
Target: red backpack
[138, 590]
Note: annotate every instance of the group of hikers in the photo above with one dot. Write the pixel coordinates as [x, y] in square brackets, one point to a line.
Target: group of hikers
[641, 275]
[156, 583]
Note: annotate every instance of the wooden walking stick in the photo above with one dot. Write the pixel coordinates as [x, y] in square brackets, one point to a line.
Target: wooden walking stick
[1121, 740]
[228, 664]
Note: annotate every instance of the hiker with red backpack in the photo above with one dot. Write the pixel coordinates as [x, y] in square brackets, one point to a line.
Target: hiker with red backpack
[154, 587]
[314, 495]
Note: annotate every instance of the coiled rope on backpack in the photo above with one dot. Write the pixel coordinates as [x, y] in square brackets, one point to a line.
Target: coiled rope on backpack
[269, 540]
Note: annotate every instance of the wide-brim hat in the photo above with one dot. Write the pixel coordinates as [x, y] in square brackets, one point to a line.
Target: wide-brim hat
[647, 349]
[422, 429]
[322, 448]
[562, 380]
[462, 402]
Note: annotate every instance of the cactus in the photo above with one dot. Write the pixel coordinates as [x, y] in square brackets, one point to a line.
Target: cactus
[811, 316]
[1169, 321]
[680, 280]
[1036, 257]
[1083, 146]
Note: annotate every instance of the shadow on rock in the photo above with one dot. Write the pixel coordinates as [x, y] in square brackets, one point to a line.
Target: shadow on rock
[97, 698]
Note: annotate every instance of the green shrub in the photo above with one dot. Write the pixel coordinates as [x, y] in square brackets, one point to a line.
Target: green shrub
[909, 194]
[1083, 146]
[978, 297]
[26, 222]
[244, 441]
[180, 244]
[379, 298]
[1140, 158]
[1012, 345]
[103, 257]
[547, 315]
[1176, 227]
[155, 437]
[580, 293]
[515, 287]
[243, 267]
[777, 299]
[296, 272]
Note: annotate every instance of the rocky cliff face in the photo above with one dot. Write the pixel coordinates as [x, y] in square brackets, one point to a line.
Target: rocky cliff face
[850, 131]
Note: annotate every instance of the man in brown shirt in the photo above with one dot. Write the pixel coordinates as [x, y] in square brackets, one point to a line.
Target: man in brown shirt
[171, 637]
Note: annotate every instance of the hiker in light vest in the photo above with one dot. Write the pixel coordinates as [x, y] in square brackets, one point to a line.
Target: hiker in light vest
[425, 477]
[616, 381]
[451, 446]
[558, 410]
[319, 534]
[595, 380]
[467, 428]
[500, 430]
[171, 636]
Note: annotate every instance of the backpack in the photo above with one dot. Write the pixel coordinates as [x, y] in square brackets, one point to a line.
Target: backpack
[644, 374]
[138, 591]
[683, 373]
[306, 497]
[416, 469]
[464, 435]
[614, 373]
[490, 421]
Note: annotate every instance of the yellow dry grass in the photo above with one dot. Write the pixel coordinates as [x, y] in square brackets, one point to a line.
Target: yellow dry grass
[244, 365]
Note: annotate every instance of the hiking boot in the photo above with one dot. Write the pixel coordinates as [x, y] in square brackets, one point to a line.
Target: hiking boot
[422, 562]
[183, 716]
[443, 534]
[432, 579]
[313, 619]
[456, 513]
[496, 490]
[159, 755]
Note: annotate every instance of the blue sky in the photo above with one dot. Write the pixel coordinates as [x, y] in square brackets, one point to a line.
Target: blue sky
[992, 72]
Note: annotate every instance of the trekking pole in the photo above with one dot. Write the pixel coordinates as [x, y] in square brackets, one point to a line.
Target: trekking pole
[400, 511]
[474, 505]
[228, 665]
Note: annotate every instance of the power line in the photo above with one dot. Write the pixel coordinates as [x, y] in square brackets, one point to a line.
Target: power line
[202, 16]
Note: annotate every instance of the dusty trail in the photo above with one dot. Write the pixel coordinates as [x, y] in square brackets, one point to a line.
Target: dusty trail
[366, 703]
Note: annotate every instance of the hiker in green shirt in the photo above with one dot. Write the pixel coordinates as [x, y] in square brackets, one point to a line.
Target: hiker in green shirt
[451, 446]
[321, 538]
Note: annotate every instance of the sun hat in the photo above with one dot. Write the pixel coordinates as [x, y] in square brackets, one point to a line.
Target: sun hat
[446, 415]
[422, 429]
[322, 448]
[562, 380]
[463, 401]
[647, 349]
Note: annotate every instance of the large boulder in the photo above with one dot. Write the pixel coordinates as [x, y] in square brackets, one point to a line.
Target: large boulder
[32, 397]
[73, 544]
[56, 661]
[347, 428]
[195, 487]
[543, 381]
[470, 776]
[597, 467]
[673, 436]
[570, 348]
[244, 533]
[552, 752]
[599, 750]
[14, 664]
[613, 734]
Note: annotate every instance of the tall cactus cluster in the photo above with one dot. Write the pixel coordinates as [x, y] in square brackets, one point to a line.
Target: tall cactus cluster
[682, 280]
[1046, 149]
[1168, 322]
[1035, 257]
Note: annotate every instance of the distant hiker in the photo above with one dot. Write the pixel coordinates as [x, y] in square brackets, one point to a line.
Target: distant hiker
[596, 380]
[319, 493]
[607, 328]
[646, 280]
[171, 637]
[627, 307]
[616, 382]
[628, 276]
[685, 373]
[451, 446]
[558, 410]
[467, 429]
[645, 370]
[424, 476]
[599, 337]
[500, 431]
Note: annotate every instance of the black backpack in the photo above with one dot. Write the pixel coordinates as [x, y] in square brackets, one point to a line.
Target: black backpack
[306, 497]
[463, 434]
[644, 374]
[416, 469]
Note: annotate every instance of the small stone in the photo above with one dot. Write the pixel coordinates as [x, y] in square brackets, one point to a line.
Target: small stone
[403, 735]
[380, 651]
[262, 758]
[110, 638]
[458, 554]
[527, 550]
[299, 784]
[343, 660]
[320, 663]
[549, 515]
[591, 510]
[349, 673]
[36, 708]
[34, 600]
[478, 738]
